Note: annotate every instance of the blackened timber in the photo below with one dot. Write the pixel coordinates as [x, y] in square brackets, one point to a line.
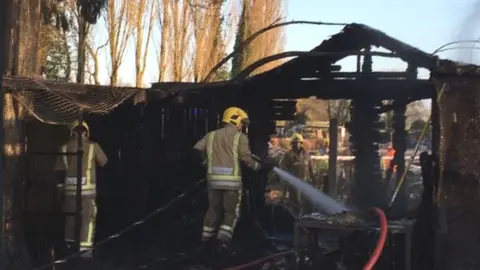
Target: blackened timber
[353, 75]
[383, 89]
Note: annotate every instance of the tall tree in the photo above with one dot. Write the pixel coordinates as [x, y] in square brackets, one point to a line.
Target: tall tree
[93, 55]
[257, 14]
[90, 11]
[209, 39]
[143, 20]
[164, 23]
[180, 46]
[119, 28]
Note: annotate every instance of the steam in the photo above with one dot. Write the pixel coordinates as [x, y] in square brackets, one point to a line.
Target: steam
[469, 31]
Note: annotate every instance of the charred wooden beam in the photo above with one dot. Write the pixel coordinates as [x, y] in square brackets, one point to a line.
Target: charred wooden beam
[385, 89]
[353, 75]
[365, 127]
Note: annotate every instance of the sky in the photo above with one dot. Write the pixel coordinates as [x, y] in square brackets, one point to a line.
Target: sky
[425, 24]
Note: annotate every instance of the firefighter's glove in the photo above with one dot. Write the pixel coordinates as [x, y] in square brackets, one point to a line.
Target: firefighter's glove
[265, 164]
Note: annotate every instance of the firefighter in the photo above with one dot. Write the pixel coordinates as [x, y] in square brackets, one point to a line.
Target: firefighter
[297, 162]
[222, 150]
[66, 167]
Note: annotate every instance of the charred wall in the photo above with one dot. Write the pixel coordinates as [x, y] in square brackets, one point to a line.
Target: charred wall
[459, 189]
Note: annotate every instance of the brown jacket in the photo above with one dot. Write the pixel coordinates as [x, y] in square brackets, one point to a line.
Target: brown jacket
[299, 164]
[224, 149]
[93, 155]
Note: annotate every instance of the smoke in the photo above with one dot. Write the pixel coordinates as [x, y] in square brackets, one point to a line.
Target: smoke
[469, 31]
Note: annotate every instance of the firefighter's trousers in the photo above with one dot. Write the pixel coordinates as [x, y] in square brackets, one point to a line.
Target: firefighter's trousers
[222, 215]
[295, 198]
[87, 220]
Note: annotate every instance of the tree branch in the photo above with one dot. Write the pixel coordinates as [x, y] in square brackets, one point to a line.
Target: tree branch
[255, 35]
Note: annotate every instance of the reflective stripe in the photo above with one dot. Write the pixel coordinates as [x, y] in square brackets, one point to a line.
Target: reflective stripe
[210, 152]
[65, 160]
[84, 192]
[209, 229]
[88, 188]
[221, 183]
[208, 234]
[226, 228]
[237, 210]
[224, 177]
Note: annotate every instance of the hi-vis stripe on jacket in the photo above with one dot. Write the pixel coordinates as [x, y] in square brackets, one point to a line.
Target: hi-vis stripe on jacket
[92, 155]
[224, 149]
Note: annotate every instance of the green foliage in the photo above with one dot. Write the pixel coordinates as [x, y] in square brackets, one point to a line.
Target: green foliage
[57, 64]
[91, 9]
[222, 74]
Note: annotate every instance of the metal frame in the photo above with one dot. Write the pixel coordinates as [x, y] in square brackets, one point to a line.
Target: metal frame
[312, 227]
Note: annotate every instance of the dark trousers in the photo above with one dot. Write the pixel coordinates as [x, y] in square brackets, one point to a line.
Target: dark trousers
[223, 213]
[87, 221]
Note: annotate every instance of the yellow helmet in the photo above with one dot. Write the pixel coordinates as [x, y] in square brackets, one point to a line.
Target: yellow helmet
[76, 124]
[296, 137]
[235, 116]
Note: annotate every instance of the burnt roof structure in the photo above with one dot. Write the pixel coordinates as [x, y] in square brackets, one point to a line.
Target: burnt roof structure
[314, 74]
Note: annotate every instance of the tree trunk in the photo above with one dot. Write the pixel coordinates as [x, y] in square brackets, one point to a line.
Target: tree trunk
[24, 29]
[82, 40]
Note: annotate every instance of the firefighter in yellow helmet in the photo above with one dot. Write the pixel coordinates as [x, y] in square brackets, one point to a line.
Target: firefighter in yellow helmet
[223, 150]
[66, 167]
[297, 162]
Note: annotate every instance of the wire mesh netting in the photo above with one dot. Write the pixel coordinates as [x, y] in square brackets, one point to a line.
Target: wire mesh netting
[60, 103]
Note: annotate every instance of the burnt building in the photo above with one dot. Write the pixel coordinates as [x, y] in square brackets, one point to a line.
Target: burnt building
[148, 135]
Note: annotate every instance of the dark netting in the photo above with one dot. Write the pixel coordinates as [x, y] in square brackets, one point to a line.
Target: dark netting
[61, 103]
[460, 165]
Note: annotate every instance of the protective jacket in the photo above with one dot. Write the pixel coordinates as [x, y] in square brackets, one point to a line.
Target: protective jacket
[224, 149]
[298, 164]
[93, 155]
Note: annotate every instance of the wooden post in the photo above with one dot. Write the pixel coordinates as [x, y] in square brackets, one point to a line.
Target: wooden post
[78, 201]
[332, 157]
[3, 59]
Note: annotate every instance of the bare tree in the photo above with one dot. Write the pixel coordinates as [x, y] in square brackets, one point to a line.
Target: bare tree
[143, 19]
[93, 55]
[339, 109]
[313, 109]
[163, 21]
[179, 48]
[210, 37]
[119, 29]
[257, 14]
[416, 111]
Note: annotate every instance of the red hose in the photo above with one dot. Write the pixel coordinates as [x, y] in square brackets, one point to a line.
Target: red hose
[259, 261]
[381, 239]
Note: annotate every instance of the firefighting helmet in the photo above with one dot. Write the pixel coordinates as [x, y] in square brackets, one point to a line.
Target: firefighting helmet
[76, 124]
[235, 116]
[296, 137]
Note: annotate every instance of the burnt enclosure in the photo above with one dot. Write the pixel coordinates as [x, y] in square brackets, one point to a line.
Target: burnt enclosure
[149, 140]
